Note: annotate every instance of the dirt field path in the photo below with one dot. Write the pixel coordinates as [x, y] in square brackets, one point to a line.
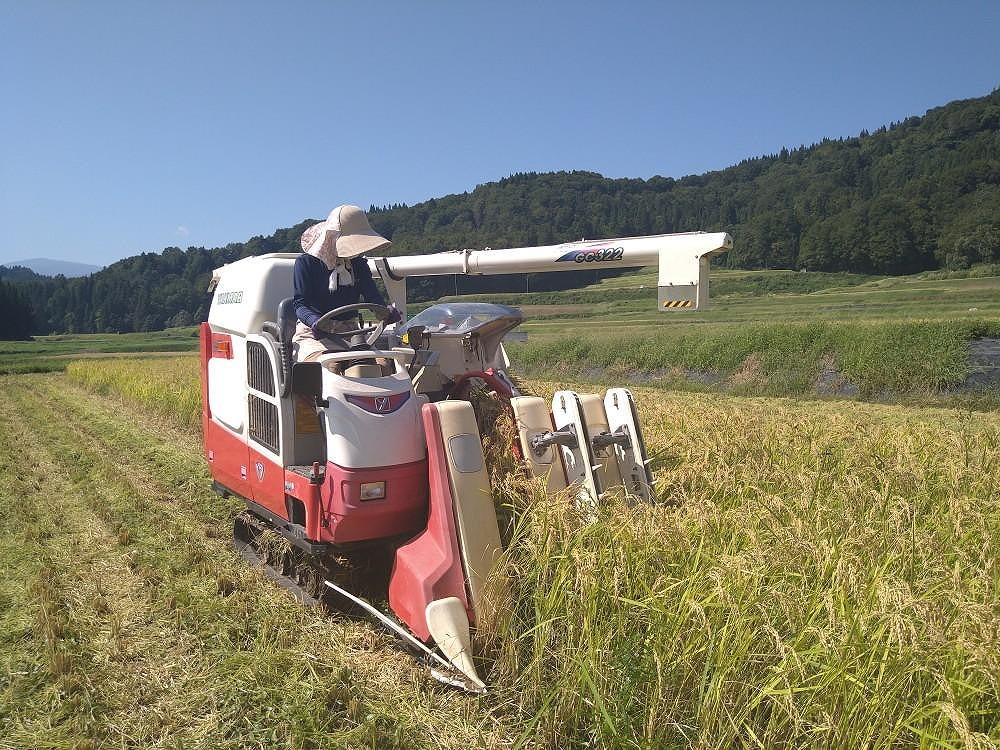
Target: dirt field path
[127, 620]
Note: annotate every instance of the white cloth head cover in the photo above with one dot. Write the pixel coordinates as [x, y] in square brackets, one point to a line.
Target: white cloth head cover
[342, 274]
[345, 234]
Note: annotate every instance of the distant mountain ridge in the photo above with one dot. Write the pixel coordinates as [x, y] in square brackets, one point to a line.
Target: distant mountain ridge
[918, 194]
[51, 267]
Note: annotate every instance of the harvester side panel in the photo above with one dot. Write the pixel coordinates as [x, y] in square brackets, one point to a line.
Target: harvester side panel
[267, 482]
[475, 514]
[228, 458]
[429, 567]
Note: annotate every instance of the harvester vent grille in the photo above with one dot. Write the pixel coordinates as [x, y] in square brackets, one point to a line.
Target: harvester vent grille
[260, 376]
[263, 426]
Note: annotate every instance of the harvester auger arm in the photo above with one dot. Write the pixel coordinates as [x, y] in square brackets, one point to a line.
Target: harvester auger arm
[681, 259]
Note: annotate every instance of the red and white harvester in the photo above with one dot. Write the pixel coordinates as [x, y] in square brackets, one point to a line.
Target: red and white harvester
[374, 446]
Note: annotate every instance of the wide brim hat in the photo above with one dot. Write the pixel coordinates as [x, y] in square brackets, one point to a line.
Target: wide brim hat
[346, 233]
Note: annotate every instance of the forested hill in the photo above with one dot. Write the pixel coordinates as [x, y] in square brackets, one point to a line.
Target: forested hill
[918, 194]
[18, 273]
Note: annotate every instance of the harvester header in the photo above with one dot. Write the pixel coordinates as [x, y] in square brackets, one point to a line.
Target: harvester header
[681, 259]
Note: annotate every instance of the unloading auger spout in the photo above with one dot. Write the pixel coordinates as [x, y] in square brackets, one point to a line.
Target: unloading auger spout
[681, 259]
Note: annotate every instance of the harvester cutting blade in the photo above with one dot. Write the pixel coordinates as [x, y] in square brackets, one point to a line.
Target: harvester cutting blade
[447, 677]
[578, 457]
[619, 406]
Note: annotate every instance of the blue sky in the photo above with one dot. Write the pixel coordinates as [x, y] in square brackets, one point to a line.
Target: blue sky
[129, 126]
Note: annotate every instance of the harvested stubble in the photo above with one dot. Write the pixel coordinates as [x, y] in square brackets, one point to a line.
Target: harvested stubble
[164, 637]
[818, 573]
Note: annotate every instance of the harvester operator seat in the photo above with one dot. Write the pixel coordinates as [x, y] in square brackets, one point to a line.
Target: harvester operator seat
[286, 320]
[367, 369]
[284, 330]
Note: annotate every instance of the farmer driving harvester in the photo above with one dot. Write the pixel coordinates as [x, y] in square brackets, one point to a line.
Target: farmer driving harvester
[391, 460]
[332, 272]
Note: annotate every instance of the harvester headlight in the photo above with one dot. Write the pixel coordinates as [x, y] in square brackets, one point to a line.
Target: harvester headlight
[372, 490]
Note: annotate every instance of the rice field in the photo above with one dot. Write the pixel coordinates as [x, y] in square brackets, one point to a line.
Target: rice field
[816, 573]
[166, 386]
[821, 575]
[766, 333]
[52, 353]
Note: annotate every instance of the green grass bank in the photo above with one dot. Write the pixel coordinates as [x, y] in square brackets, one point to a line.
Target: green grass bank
[876, 358]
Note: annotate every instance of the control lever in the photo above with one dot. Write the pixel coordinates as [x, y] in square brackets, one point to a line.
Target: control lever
[414, 337]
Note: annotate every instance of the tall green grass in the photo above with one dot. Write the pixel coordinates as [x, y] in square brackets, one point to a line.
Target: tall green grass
[978, 271]
[774, 358]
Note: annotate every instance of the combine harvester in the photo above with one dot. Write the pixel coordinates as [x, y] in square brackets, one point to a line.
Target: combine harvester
[375, 446]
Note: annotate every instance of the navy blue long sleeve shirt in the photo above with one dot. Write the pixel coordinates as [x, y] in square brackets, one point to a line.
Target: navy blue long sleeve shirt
[313, 297]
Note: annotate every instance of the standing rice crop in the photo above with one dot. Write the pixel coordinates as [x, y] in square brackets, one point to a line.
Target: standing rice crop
[823, 576]
[168, 386]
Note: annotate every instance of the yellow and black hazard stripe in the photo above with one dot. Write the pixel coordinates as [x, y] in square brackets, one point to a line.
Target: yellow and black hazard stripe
[678, 303]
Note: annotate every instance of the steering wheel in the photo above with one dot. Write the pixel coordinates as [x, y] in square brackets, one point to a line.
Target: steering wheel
[381, 313]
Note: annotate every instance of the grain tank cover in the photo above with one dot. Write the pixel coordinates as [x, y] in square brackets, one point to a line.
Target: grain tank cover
[248, 291]
[461, 318]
